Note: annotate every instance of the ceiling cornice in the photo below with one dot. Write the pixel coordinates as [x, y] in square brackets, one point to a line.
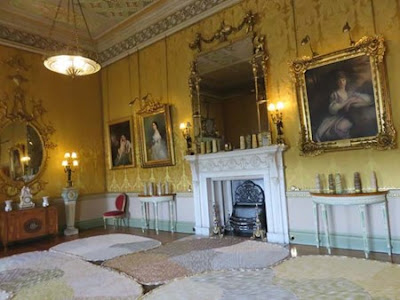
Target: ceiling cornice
[151, 31]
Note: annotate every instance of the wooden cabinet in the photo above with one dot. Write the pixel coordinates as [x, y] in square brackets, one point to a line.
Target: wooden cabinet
[30, 223]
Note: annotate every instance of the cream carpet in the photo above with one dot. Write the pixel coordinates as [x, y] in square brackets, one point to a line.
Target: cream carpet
[102, 247]
[305, 277]
[46, 275]
[188, 257]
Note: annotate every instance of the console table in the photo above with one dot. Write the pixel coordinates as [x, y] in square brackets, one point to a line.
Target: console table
[155, 200]
[361, 200]
[21, 224]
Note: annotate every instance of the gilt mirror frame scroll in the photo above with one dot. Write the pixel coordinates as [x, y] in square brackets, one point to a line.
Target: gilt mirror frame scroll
[257, 62]
[15, 109]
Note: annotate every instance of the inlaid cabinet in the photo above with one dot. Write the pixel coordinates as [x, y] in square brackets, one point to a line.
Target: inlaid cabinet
[25, 224]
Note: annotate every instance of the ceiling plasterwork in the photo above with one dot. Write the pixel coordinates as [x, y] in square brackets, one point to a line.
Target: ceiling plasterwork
[118, 27]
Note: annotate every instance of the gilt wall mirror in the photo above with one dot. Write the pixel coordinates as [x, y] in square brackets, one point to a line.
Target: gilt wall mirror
[228, 84]
[24, 137]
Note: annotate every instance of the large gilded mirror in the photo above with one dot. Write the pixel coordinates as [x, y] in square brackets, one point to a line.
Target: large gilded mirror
[24, 136]
[228, 85]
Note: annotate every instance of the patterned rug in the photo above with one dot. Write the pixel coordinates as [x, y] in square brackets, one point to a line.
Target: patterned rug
[305, 277]
[45, 275]
[102, 247]
[187, 257]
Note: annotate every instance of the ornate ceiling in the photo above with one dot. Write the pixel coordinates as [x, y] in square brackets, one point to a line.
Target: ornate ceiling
[117, 26]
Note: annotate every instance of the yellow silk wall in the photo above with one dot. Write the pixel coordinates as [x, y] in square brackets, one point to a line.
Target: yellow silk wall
[285, 23]
[74, 110]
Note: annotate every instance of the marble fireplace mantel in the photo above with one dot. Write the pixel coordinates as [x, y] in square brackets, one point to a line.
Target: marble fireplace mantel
[263, 162]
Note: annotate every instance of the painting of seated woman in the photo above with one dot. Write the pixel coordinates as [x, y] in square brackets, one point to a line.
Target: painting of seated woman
[341, 100]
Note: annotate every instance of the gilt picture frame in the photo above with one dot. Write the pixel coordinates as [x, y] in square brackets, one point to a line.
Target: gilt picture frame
[343, 99]
[156, 139]
[121, 143]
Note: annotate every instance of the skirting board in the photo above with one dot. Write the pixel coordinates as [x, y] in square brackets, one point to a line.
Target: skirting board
[376, 244]
[163, 225]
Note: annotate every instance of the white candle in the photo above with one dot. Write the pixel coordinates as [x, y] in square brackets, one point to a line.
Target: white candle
[242, 143]
[214, 146]
[202, 148]
[253, 141]
[374, 183]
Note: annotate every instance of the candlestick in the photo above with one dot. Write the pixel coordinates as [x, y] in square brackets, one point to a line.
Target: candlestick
[145, 188]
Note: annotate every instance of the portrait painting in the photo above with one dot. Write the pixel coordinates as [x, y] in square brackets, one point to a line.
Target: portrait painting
[343, 100]
[156, 137]
[121, 143]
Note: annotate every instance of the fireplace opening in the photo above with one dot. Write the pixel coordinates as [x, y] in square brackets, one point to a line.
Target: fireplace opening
[239, 203]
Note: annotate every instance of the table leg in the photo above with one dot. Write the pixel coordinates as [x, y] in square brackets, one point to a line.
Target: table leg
[325, 220]
[144, 216]
[147, 210]
[362, 209]
[155, 205]
[315, 210]
[387, 229]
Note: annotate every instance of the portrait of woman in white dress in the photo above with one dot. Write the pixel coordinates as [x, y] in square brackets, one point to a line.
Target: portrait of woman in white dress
[341, 101]
[156, 137]
[158, 150]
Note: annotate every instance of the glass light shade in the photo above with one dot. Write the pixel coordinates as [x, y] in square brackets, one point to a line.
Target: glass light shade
[72, 65]
[64, 163]
[271, 107]
[182, 126]
[67, 155]
[279, 105]
[75, 163]
[73, 155]
[25, 158]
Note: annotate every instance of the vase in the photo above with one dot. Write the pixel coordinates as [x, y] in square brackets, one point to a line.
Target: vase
[8, 205]
[45, 202]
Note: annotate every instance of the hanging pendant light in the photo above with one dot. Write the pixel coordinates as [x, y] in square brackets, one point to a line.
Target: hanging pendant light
[72, 60]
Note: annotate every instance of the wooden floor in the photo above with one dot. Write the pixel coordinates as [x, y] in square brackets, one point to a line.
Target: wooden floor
[167, 237]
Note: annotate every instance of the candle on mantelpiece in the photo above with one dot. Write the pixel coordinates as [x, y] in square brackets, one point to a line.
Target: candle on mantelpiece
[242, 143]
[374, 182]
[150, 189]
[253, 141]
[214, 146]
[145, 188]
[202, 148]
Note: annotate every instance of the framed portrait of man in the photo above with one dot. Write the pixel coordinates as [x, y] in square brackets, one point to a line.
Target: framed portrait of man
[156, 136]
[343, 99]
[120, 138]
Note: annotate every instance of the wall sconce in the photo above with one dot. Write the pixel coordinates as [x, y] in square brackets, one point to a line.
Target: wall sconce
[306, 40]
[347, 28]
[185, 128]
[68, 163]
[276, 115]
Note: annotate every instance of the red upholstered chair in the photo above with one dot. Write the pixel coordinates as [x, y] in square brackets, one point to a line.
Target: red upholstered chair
[119, 213]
